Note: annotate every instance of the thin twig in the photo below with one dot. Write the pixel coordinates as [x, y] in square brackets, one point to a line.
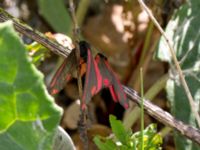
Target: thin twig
[76, 41]
[164, 117]
[35, 35]
[83, 118]
[153, 110]
[185, 86]
[142, 109]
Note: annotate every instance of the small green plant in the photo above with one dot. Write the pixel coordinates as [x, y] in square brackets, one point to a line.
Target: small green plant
[123, 139]
[37, 52]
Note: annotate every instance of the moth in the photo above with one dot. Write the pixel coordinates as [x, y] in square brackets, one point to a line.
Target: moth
[98, 75]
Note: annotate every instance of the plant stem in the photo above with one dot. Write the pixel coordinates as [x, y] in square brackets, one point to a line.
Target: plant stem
[142, 109]
[76, 41]
[135, 77]
[147, 42]
[165, 131]
[164, 117]
[35, 35]
[150, 94]
[182, 79]
[145, 64]
[83, 119]
[82, 10]
[157, 87]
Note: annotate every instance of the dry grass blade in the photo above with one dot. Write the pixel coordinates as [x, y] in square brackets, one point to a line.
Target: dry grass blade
[185, 86]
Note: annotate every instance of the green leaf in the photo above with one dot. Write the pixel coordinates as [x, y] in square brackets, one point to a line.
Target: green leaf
[118, 129]
[107, 145]
[183, 31]
[56, 15]
[28, 116]
[37, 52]
[152, 140]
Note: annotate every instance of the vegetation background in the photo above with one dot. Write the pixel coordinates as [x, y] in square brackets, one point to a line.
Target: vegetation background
[123, 32]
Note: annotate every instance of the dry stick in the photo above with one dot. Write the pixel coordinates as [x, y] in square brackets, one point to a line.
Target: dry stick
[76, 41]
[185, 86]
[83, 120]
[35, 35]
[153, 110]
[164, 117]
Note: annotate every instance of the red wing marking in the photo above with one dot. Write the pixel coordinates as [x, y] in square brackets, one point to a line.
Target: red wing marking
[59, 71]
[106, 82]
[99, 75]
[93, 90]
[90, 85]
[54, 91]
[114, 96]
[63, 74]
[110, 81]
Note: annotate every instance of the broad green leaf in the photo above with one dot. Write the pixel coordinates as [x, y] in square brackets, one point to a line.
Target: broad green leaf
[118, 129]
[28, 116]
[55, 14]
[183, 31]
